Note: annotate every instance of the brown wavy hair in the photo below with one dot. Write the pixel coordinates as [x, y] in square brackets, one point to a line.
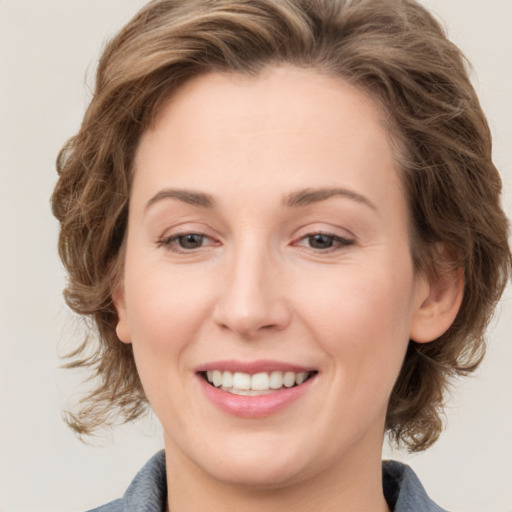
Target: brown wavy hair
[395, 51]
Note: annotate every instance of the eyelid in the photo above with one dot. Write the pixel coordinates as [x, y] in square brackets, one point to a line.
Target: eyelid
[186, 228]
[170, 242]
[169, 239]
[324, 228]
[341, 239]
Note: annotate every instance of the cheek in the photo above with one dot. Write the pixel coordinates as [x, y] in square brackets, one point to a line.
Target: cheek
[362, 320]
[164, 313]
[164, 308]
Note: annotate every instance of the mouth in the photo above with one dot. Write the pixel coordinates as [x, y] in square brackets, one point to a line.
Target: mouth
[256, 384]
[256, 389]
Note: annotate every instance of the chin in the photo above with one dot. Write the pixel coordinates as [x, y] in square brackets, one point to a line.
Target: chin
[256, 461]
[259, 475]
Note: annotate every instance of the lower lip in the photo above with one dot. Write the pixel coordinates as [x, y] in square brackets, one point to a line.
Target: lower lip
[258, 406]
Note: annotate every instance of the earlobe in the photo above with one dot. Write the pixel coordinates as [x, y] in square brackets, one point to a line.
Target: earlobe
[122, 328]
[438, 305]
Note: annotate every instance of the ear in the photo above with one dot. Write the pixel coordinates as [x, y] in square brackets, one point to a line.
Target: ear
[122, 327]
[439, 301]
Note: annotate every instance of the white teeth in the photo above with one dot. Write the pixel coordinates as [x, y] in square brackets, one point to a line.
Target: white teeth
[227, 380]
[241, 383]
[276, 380]
[260, 381]
[301, 377]
[217, 378]
[289, 379]
[241, 380]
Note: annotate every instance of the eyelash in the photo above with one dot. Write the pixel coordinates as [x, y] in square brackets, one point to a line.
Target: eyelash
[174, 242]
[337, 242]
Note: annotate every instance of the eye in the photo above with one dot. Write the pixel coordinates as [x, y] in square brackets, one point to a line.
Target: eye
[321, 241]
[324, 242]
[190, 241]
[185, 242]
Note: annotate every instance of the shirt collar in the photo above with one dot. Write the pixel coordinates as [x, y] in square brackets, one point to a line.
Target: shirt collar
[402, 489]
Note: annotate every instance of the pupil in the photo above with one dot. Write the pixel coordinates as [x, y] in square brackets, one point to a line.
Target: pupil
[191, 241]
[321, 241]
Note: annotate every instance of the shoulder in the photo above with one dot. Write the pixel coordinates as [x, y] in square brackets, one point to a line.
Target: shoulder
[404, 491]
[148, 490]
[113, 506]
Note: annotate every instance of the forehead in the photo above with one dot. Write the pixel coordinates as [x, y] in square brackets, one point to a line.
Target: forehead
[280, 96]
[287, 126]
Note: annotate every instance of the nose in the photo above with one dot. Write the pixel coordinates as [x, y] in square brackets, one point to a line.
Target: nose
[252, 297]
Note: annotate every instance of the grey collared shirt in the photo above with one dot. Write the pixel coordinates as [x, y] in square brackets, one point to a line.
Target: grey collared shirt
[148, 490]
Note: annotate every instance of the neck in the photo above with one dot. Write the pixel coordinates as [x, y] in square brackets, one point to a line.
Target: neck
[354, 485]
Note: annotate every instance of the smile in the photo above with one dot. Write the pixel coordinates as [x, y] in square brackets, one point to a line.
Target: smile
[245, 384]
[255, 389]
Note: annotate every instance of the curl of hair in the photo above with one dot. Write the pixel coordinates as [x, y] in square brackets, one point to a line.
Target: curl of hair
[395, 51]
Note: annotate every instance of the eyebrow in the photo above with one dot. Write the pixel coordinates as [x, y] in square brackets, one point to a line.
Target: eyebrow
[299, 198]
[186, 196]
[314, 195]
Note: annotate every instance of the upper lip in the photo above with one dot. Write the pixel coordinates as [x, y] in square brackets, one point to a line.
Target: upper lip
[252, 367]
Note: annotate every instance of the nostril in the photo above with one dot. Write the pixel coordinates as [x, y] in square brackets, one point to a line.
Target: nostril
[248, 308]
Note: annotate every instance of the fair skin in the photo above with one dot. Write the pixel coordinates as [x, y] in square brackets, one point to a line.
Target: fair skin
[268, 231]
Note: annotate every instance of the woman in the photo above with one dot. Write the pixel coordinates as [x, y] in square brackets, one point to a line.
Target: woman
[284, 219]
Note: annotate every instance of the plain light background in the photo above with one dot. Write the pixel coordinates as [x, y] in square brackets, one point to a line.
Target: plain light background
[48, 52]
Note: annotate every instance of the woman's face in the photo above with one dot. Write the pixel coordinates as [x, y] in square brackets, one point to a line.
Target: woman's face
[268, 247]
